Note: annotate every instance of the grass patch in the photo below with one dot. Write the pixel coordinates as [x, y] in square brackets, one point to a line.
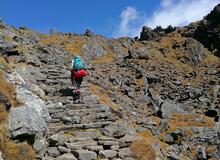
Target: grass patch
[9, 91]
[74, 47]
[103, 97]
[109, 57]
[186, 120]
[144, 150]
[12, 150]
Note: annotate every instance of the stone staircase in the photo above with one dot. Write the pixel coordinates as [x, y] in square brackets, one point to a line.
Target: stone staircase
[82, 128]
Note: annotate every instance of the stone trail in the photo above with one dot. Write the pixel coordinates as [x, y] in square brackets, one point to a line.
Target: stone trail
[77, 126]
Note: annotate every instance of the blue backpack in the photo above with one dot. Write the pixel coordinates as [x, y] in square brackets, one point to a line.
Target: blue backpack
[78, 63]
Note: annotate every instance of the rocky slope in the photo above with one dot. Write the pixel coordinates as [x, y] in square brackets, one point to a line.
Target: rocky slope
[153, 98]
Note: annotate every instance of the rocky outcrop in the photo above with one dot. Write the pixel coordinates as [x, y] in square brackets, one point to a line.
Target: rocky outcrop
[156, 33]
[207, 31]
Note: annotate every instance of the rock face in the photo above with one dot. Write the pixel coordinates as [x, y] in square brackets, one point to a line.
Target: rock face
[207, 31]
[93, 50]
[25, 121]
[148, 34]
[151, 99]
[155, 34]
[139, 53]
[195, 51]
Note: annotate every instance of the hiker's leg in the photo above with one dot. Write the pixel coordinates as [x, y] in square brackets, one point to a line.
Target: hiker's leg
[80, 81]
[77, 81]
[72, 76]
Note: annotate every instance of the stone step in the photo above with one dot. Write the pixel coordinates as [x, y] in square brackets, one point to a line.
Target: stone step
[52, 111]
[61, 127]
[84, 112]
[54, 120]
[74, 107]
[57, 77]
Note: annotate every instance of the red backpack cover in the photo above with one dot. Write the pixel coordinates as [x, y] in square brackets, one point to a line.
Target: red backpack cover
[80, 73]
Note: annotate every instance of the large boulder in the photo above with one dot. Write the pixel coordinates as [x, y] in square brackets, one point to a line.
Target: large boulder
[194, 52]
[168, 108]
[6, 46]
[33, 101]
[139, 53]
[148, 34]
[91, 51]
[207, 31]
[25, 120]
[33, 116]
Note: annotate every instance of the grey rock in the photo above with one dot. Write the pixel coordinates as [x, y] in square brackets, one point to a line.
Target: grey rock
[1, 156]
[107, 154]
[115, 147]
[195, 52]
[73, 119]
[201, 155]
[6, 46]
[25, 120]
[40, 147]
[80, 145]
[148, 34]
[48, 158]
[139, 53]
[66, 156]
[89, 33]
[85, 155]
[195, 92]
[124, 153]
[108, 143]
[64, 149]
[173, 153]
[90, 99]
[95, 148]
[53, 151]
[91, 51]
[33, 101]
[218, 151]
[117, 130]
[119, 51]
[87, 134]
[127, 140]
[167, 139]
[205, 135]
[32, 60]
[57, 139]
[168, 108]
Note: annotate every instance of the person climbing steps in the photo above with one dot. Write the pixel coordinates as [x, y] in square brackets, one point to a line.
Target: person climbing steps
[78, 71]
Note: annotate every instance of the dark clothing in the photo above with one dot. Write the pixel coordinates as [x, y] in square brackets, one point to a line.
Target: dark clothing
[78, 81]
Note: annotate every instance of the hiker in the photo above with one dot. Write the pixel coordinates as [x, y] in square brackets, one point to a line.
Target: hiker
[78, 71]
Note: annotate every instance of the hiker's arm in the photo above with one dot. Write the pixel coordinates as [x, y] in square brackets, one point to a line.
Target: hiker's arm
[72, 64]
[86, 67]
